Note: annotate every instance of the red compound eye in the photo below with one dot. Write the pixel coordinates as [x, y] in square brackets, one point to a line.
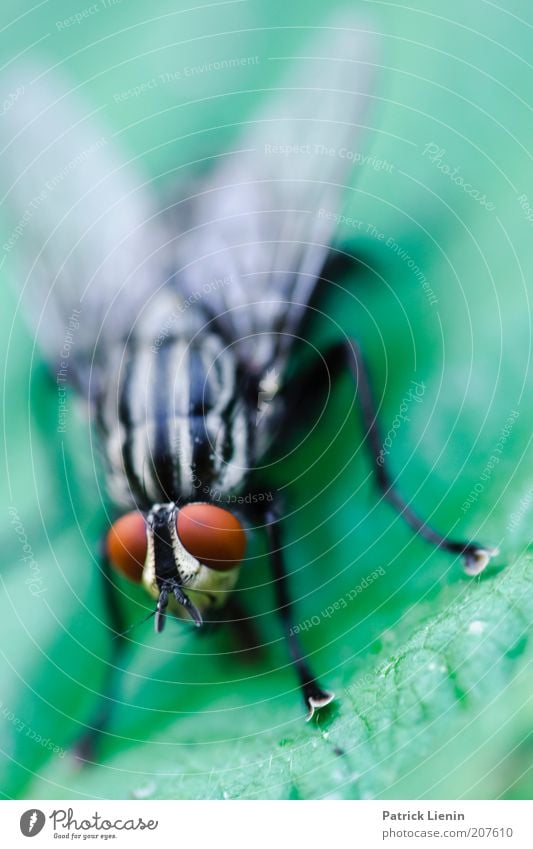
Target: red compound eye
[126, 545]
[213, 535]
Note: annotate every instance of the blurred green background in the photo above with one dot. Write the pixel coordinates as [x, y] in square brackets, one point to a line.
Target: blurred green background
[430, 668]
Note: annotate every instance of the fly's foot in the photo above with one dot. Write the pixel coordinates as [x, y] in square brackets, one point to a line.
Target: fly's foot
[315, 698]
[476, 559]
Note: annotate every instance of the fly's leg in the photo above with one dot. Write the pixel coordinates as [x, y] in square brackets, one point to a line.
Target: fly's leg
[234, 615]
[86, 747]
[162, 604]
[313, 694]
[184, 600]
[348, 354]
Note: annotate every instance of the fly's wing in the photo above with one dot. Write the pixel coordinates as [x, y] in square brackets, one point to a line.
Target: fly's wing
[82, 242]
[261, 225]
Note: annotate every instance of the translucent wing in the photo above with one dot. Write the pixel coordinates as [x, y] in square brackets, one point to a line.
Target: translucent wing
[83, 242]
[261, 225]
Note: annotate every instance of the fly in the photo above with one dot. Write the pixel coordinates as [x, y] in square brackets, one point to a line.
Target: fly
[188, 315]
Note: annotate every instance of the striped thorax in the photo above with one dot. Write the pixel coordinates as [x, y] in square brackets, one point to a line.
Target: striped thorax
[174, 418]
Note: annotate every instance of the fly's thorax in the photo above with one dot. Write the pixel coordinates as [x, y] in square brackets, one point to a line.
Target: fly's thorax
[175, 421]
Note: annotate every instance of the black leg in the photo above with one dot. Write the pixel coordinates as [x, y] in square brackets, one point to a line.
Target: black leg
[184, 600]
[314, 696]
[246, 633]
[348, 354]
[86, 747]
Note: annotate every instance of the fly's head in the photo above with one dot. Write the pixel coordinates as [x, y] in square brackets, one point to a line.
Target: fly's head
[187, 558]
